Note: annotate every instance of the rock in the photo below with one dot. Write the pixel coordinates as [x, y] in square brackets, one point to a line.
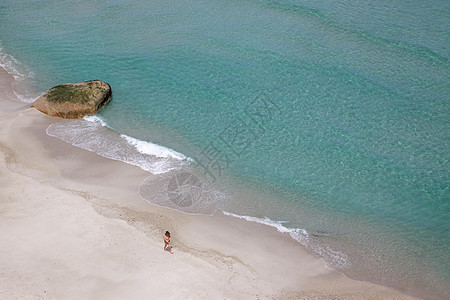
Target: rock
[74, 100]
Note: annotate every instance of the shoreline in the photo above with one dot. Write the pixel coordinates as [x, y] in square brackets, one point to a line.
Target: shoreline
[78, 228]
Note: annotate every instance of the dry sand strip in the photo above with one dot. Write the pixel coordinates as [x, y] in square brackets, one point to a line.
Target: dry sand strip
[72, 226]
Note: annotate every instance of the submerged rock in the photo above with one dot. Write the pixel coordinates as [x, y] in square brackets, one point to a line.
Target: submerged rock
[74, 100]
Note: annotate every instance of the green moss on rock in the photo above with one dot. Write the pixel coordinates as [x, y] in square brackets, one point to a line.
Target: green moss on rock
[74, 100]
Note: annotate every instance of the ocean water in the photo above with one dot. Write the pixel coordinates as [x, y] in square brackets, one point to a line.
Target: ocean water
[328, 120]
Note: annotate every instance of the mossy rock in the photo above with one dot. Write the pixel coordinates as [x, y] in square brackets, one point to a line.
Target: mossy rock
[74, 100]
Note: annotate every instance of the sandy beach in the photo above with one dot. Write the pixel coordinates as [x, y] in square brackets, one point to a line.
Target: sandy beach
[72, 226]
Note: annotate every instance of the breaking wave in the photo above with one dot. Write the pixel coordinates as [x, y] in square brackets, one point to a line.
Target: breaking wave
[332, 258]
[92, 133]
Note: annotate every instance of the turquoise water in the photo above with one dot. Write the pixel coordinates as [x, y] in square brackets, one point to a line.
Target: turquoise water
[353, 145]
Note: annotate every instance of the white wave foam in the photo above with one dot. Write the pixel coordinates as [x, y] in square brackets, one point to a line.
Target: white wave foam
[21, 73]
[96, 119]
[13, 66]
[143, 147]
[332, 258]
[26, 99]
[92, 134]
[153, 149]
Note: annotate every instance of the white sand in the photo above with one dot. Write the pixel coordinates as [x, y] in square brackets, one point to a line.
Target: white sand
[72, 226]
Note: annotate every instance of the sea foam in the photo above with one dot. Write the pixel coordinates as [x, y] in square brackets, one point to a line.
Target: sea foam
[332, 258]
[13, 66]
[20, 72]
[153, 149]
[92, 133]
[96, 119]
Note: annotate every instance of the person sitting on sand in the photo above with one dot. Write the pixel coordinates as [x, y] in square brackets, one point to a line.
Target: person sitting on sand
[167, 242]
